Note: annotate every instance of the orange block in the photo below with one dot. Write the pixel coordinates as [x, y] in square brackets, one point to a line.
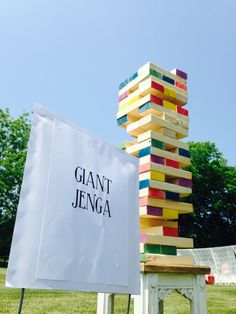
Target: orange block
[181, 85]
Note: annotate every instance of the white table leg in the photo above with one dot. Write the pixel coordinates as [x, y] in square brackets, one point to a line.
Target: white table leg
[105, 303]
[198, 304]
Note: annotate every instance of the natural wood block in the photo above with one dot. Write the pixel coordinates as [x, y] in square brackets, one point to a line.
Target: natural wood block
[145, 106]
[183, 161]
[146, 182]
[169, 142]
[179, 122]
[158, 212]
[157, 249]
[159, 259]
[169, 133]
[179, 242]
[146, 70]
[162, 231]
[157, 88]
[151, 222]
[172, 74]
[183, 208]
[173, 172]
[176, 269]
[172, 92]
[155, 123]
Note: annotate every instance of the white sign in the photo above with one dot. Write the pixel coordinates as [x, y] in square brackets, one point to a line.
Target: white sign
[77, 224]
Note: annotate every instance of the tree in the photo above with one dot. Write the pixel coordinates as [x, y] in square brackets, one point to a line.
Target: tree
[14, 135]
[213, 222]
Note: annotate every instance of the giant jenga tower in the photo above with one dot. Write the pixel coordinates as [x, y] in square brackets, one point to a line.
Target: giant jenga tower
[151, 105]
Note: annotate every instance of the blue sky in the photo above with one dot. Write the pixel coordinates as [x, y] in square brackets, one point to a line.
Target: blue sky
[70, 56]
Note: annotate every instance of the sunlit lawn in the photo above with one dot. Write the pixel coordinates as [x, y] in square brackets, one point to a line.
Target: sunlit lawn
[220, 299]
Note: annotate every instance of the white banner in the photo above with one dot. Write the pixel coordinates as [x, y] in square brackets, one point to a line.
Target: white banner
[77, 224]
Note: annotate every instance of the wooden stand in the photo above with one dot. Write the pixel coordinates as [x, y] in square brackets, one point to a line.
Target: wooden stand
[157, 282]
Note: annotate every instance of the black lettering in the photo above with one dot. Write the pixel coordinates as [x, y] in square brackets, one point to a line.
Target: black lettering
[98, 207]
[78, 178]
[107, 209]
[81, 197]
[92, 202]
[98, 180]
[108, 185]
[75, 204]
[90, 179]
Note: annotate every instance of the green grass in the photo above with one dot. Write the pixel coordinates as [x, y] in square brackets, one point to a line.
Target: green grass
[220, 299]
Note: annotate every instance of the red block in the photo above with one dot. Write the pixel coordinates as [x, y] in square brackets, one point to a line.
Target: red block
[182, 111]
[144, 168]
[157, 87]
[181, 85]
[155, 193]
[172, 163]
[169, 231]
[156, 100]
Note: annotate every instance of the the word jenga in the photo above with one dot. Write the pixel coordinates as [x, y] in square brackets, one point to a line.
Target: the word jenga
[151, 108]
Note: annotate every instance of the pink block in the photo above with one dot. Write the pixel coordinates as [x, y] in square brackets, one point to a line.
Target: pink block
[123, 96]
[143, 238]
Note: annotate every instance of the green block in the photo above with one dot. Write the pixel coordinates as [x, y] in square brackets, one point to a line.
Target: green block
[142, 257]
[156, 74]
[157, 144]
[160, 249]
[121, 145]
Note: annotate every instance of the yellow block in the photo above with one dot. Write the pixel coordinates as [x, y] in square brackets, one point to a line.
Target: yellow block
[128, 103]
[170, 213]
[169, 92]
[169, 105]
[154, 175]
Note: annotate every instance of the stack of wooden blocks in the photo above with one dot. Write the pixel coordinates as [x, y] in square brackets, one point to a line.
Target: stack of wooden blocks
[151, 108]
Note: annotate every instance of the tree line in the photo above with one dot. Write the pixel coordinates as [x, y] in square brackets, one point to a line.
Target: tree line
[213, 222]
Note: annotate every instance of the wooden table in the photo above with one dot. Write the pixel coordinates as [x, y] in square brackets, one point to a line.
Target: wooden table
[157, 282]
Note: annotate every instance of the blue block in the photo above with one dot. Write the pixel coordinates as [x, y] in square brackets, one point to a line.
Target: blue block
[144, 152]
[172, 196]
[132, 77]
[122, 120]
[123, 84]
[143, 184]
[144, 107]
[184, 152]
[168, 79]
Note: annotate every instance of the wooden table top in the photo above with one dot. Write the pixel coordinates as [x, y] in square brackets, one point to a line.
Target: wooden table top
[185, 269]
